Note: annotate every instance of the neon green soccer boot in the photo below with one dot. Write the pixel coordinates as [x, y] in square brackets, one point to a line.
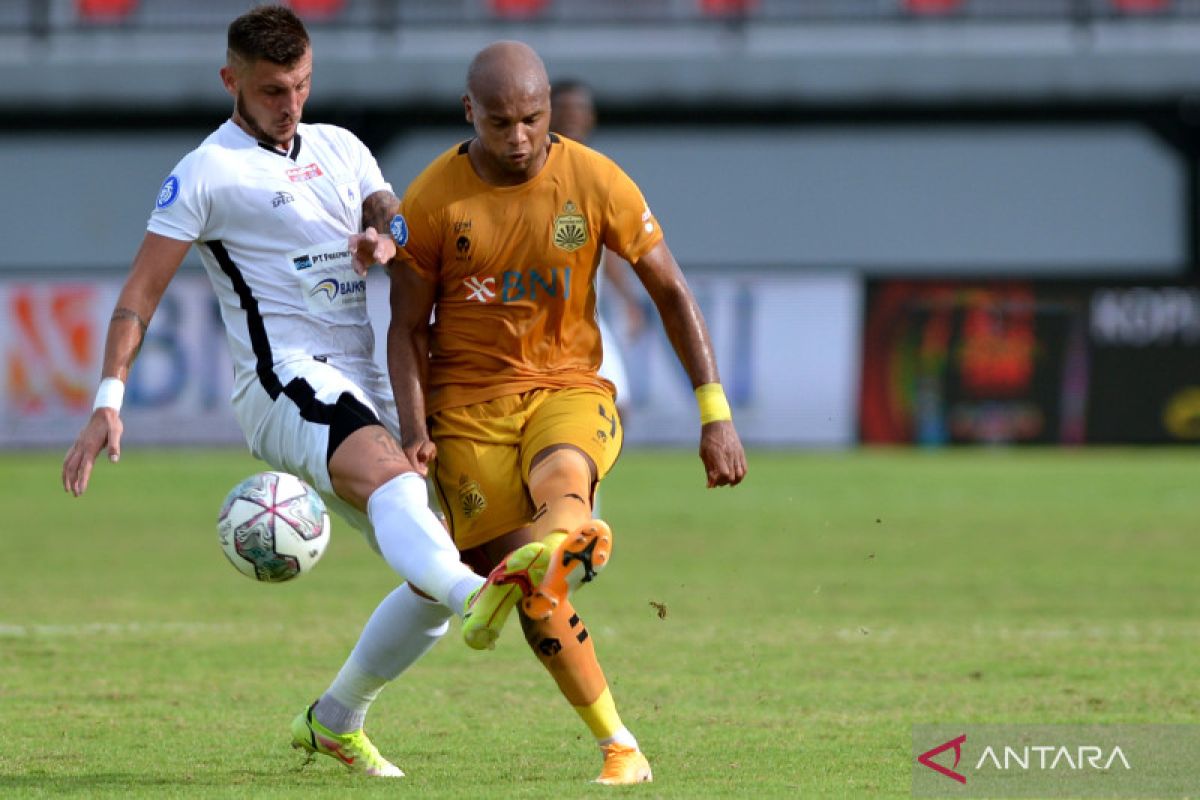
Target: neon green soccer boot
[513, 578]
[353, 750]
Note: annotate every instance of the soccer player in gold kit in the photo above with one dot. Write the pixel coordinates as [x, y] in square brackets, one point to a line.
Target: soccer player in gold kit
[500, 238]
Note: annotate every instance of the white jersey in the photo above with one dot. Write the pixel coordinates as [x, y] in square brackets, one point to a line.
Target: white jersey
[272, 231]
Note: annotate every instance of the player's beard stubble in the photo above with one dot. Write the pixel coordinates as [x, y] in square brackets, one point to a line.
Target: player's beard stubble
[253, 127]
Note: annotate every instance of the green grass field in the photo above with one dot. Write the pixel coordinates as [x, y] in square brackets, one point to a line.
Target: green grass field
[812, 616]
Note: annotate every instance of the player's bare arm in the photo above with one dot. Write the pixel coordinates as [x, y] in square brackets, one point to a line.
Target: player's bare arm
[720, 448]
[412, 299]
[374, 244]
[154, 266]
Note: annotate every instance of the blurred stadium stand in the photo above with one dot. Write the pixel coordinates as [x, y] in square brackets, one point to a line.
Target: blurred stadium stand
[147, 53]
[807, 157]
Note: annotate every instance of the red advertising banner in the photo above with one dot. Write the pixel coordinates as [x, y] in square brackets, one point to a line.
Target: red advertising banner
[50, 357]
[52, 344]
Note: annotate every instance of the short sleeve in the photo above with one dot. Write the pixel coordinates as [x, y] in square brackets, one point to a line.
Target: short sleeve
[182, 205]
[632, 229]
[370, 177]
[421, 245]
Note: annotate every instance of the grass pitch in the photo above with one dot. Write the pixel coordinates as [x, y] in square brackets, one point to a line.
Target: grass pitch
[775, 640]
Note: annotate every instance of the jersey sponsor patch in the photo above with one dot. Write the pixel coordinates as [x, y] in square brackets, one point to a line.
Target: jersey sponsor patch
[168, 193]
[399, 229]
[331, 289]
[482, 290]
[305, 173]
[326, 277]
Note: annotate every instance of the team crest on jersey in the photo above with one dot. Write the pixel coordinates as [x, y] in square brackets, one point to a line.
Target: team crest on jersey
[168, 193]
[305, 173]
[282, 199]
[570, 228]
[471, 497]
[399, 229]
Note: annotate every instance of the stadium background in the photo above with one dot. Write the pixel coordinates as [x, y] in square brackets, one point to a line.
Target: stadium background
[907, 220]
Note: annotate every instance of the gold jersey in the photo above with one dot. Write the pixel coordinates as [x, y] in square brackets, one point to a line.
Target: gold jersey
[515, 269]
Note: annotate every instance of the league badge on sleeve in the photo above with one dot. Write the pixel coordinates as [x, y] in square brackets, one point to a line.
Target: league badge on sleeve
[169, 192]
[399, 230]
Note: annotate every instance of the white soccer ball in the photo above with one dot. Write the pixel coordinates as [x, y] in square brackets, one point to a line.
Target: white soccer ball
[273, 527]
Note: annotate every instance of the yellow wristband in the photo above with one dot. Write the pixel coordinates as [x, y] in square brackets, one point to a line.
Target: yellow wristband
[713, 405]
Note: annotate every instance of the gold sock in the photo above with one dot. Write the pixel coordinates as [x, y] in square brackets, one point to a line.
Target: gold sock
[601, 716]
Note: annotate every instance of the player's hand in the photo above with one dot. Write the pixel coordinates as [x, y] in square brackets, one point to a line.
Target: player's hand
[421, 453]
[369, 248]
[722, 454]
[104, 429]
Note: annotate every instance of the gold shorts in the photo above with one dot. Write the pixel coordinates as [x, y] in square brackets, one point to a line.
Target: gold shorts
[485, 450]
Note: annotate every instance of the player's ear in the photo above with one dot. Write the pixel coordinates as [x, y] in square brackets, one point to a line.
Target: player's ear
[229, 79]
[466, 101]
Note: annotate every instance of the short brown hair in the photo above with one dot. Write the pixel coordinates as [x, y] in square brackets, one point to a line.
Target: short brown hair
[271, 33]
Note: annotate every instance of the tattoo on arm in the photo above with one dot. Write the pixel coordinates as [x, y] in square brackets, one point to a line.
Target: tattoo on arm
[378, 210]
[120, 312]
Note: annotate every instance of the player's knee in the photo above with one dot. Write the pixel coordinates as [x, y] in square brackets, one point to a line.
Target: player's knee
[565, 466]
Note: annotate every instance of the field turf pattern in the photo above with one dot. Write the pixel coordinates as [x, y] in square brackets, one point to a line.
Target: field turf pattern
[775, 640]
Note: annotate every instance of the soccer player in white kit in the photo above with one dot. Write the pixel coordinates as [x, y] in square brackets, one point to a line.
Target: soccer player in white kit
[277, 209]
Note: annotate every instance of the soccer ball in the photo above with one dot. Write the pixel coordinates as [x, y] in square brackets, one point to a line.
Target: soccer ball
[273, 527]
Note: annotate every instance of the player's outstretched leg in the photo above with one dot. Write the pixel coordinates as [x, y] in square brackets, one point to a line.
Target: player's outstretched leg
[576, 559]
[513, 578]
[353, 750]
[565, 648]
[401, 629]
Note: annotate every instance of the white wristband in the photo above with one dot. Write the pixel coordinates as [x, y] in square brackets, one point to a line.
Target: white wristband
[110, 394]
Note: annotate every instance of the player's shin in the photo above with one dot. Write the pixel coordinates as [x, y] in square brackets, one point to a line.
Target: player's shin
[415, 544]
[564, 646]
[401, 630]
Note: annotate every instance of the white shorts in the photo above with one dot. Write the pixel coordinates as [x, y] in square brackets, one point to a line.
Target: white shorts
[612, 366]
[322, 401]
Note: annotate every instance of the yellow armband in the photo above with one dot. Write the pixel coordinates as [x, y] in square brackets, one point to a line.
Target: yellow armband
[713, 405]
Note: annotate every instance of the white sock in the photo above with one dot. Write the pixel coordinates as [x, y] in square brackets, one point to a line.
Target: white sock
[460, 591]
[414, 543]
[401, 630]
[622, 736]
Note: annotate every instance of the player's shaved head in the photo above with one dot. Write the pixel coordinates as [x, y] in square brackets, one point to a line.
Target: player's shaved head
[506, 69]
[508, 102]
